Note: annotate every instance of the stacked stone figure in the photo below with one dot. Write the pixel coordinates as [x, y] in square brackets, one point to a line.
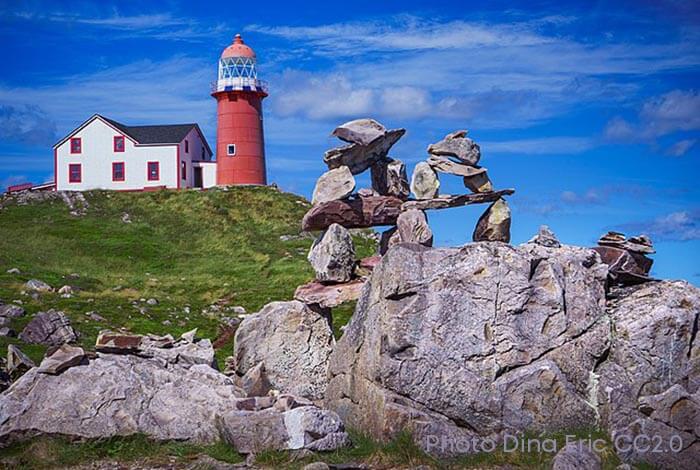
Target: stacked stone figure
[626, 257]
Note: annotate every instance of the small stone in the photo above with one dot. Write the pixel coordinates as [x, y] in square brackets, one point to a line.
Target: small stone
[413, 228]
[189, 336]
[17, 361]
[118, 343]
[7, 332]
[286, 402]
[457, 145]
[64, 357]
[576, 456]
[126, 218]
[389, 178]
[389, 238]
[332, 255]
[479, 183]
[424, 182]
[360, 131]
[237, 310]
[316, 466]
[65, 290]
[51, 328]
[35, 285]
[359, 157]
[166, 323]
[152, 301]
[334, 184]
[640, 244]
[445, 165]
[494, 224]
[14, 271]
[94, 316]
[545, 237]
[156, 341]
[11, 311]
[255, 382]
[367, 192]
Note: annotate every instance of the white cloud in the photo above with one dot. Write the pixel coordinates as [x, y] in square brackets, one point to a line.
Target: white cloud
[680, 226]
[681, 147]
[677, 110]
[618, 129]
[540, 146]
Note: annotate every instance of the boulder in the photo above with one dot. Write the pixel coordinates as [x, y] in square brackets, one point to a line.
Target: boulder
[35, 285]
[357, 212]
[17, 361]
[184, 353]
[446, 201]
[360, 131]
[413, 228]
[389, 238]
[648, 384]
[494, 224]
[359, 157]
[478, 183]
[118, 395]
[51, 328]
[337, 183]
[293, 341]
[64, 357]
[305, 427]
[329, 296]
[118, 343]
[462, 343]
[577, 456]
[457, 145]
[11, 311]
[332, 255]
[255, 382]
[445, 165]
[389, 178]
[424, 182]
[626, 268]
[545, 237]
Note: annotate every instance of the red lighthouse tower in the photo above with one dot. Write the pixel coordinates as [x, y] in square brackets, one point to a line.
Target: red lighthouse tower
[240, 145]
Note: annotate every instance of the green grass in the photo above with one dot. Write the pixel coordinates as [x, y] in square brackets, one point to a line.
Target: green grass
[188, 249]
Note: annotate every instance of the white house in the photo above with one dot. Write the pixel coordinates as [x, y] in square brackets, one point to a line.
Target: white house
[104, 154]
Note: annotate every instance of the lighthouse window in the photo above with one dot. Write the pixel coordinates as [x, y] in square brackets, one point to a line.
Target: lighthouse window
[153, 171]
[231, 150]
[76, 145]
[118, 143]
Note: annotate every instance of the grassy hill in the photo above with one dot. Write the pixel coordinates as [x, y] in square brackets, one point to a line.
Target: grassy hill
[187, 249]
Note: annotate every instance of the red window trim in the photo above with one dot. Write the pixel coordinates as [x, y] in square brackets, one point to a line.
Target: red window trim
[148, 171]
[71, 166]
[114, 178]
[80, 145]
[123, 143]
[183, 168]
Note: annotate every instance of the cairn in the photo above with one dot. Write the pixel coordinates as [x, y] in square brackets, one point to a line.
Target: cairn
[337, 207]
[626, 257]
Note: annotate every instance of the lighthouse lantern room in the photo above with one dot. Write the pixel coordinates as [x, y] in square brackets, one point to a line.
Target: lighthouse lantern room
[240, 144]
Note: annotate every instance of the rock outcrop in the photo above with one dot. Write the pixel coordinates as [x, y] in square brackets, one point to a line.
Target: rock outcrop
[292, 341]
[50, 328]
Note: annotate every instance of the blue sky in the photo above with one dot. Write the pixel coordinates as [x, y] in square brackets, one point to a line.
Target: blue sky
[590, 110]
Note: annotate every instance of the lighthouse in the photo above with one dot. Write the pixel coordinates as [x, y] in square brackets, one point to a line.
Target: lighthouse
[240, 145]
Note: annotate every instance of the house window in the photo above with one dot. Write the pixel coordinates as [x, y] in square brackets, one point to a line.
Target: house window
[75, 173]
[153, 171]
[184, 170]
[118, 143]
[76, 145]
[187, 146]
[203, 154]
[231, 149]
[118, 171]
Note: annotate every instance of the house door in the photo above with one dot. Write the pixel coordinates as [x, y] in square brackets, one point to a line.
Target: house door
[198, 183]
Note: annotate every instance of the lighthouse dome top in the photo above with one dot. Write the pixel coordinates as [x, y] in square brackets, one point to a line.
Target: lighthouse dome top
[238, 49]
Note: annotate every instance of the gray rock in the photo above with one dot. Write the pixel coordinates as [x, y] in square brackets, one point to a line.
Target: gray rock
[472, 342]
[94, 316]
[17, 361]
[447, 201]
[184, 354]
[626, 267]
[355, 212]
[65, 290]
[389, 178]
[6, 331]
[189, 336]
[576, 456]
[478, 183]
[332, 255]
[13, 271]
[360, 131]
[287, 402]
[51, 328]
[152, 302]
[316, 466]
[494, 224]
[118, 343]
[35, 285]
[358, 157]
[118, 395]
[424, 182]
[64, 357]
[255, 382]
[389, 238]
[445, 165]
[413, 228]
[300, 428]
[334, 184]
[545, 237]
[293, 341]
[457, 145]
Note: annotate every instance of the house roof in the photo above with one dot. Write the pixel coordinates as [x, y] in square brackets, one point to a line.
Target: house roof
[149, 135]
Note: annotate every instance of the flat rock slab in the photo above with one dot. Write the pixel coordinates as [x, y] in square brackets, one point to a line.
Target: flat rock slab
[63, 358]
[445, 202]
[329, 296]
[51, 328]
[337, 183]
[358, 157]
[445, 165]
[457, 145]
[359, 212]
[360, 131]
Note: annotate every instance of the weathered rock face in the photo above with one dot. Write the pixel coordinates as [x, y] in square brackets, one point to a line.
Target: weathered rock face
[478, 183]
[51, 328]
[359, 157]
[413, 228]
[11, 311]
[332, 255]
[457, 145]
[389, 178]
[360, 131]
[357, 212]
[337, 183]
[424, 182]
[626, 267]
[650, 382]
[64, 357]
[472, 342]
[494, 224]
[293, 341]
[118, 395]
[389, 238]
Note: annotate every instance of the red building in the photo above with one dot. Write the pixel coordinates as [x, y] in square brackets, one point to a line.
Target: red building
[240, 145]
